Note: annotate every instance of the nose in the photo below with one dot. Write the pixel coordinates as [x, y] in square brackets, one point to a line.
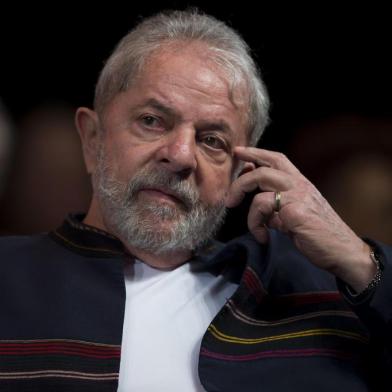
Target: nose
[178, 152]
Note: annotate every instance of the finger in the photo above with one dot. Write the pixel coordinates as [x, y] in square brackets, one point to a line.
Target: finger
[262, 157]
[259, 214]
[261, 234]
[275, 222]
[263, 178]
[262, 215]
[247, 167]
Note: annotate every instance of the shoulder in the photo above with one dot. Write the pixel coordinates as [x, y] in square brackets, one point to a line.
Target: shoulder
[14, 246]
[30, 255]
[20, 255]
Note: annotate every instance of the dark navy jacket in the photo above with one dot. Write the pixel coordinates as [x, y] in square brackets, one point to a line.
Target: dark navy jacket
[287, 328]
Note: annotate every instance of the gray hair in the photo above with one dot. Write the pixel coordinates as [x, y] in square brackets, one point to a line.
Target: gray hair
[226, 46]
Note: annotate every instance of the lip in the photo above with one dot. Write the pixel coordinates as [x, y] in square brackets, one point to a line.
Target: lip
[162, 194]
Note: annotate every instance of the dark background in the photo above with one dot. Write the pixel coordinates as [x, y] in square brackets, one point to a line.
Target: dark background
[315, 61]
[318, 62]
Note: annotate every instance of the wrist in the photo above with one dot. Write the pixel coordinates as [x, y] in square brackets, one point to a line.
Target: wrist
[374, 282]
[360, 270]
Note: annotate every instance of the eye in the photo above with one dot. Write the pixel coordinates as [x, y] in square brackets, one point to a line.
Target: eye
[214, 142]
[150, 121]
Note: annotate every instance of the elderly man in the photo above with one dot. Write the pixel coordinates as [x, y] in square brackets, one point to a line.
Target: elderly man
[136, 295]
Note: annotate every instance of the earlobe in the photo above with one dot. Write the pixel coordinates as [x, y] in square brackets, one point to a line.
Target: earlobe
[87, 124]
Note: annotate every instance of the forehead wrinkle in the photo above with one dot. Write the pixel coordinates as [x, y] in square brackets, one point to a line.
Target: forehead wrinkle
[199, 51]
[171, 104]
[207, 78]
[218, 88]
[207, 107]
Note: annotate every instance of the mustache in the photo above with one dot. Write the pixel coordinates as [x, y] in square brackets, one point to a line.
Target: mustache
[164, 181]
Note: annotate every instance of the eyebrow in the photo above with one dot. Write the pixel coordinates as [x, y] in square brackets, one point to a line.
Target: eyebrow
[154, 103]
[219, 125]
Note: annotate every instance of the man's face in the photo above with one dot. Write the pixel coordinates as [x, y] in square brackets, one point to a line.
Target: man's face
[166, 160]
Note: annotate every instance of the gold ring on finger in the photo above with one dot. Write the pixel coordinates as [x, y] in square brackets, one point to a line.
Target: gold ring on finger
[278, 198]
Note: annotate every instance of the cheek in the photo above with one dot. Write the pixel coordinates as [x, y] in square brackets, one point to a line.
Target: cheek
[127, 157]
[215, 186]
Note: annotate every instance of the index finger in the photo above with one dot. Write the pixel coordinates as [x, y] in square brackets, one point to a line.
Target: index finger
[262, 157]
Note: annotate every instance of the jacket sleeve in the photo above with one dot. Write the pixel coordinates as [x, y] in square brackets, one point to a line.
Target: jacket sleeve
[375, 309]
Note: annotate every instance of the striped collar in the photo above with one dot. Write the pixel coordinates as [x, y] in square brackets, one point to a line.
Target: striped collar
[87, 240]
[92, 242]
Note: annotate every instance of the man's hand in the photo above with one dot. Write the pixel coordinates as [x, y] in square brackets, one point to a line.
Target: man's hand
[315, 228]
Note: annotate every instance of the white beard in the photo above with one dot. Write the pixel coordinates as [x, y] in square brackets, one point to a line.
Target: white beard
[151, 226]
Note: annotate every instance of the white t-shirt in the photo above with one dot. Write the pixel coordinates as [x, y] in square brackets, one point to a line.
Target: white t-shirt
[166, 316]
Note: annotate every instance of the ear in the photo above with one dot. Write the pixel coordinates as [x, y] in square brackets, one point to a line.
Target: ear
[87, 123]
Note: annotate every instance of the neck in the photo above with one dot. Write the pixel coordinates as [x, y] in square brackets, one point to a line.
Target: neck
[162, 261]
[166, 261]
